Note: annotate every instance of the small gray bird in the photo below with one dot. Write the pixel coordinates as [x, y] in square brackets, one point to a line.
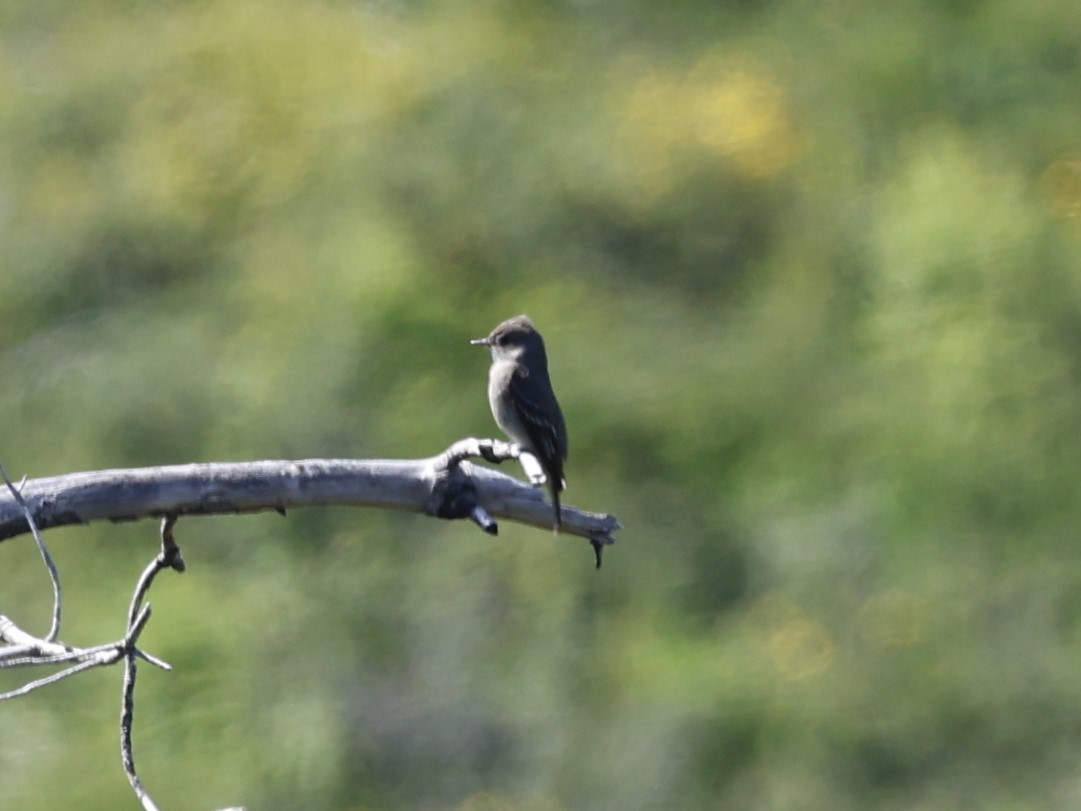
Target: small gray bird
[522, 401]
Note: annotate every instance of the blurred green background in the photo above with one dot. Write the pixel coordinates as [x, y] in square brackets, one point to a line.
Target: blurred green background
[810, 278]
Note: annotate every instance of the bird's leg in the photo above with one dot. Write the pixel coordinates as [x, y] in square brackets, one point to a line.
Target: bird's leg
[532, 467]
[494, 450]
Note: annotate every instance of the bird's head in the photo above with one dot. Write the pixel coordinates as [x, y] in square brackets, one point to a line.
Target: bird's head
[511, 338]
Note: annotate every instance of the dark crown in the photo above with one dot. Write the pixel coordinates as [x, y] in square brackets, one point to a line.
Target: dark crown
[517, 331]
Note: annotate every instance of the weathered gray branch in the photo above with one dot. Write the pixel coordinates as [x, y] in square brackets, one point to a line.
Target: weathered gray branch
[445, 485]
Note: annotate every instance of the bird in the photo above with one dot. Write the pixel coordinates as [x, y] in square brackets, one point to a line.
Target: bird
[522, 400]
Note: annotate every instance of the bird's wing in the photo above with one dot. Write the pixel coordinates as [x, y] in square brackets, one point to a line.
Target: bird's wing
[542, 421]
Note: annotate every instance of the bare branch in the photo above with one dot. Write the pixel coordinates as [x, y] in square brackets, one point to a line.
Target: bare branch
[432, 486]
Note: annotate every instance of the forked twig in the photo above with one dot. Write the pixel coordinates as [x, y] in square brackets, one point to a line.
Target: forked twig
[25, 650]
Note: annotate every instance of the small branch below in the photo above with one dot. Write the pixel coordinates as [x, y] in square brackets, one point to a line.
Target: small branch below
[168, 558]
[54, 575]
[21, 649]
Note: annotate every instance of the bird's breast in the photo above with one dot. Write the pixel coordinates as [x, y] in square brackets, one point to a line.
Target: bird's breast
[506, 417]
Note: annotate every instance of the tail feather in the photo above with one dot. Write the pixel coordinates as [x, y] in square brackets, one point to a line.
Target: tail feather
[555, 506]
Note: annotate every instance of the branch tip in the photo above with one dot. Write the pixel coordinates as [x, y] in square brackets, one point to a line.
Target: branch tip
[598, 550]
[483, 519]
[152, 659]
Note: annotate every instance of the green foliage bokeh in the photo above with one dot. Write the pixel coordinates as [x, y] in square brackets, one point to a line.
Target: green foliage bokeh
[810, 279]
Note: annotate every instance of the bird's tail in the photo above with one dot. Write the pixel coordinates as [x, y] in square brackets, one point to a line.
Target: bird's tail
[555, 506]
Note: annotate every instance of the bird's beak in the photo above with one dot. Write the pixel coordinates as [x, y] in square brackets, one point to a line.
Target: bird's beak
[480, 342]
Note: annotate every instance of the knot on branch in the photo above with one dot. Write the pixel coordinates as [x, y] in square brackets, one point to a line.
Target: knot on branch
[170, 552]
[454, 495]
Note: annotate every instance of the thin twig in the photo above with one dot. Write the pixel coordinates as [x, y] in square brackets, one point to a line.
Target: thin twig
[55, 677]
[54, 575]
[138, 614]
[141, 587]
[154, 660]
[34, 659]
[127, 714]
[127, 706]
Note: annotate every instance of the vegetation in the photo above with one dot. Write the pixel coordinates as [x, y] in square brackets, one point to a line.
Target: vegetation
[810, 279]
